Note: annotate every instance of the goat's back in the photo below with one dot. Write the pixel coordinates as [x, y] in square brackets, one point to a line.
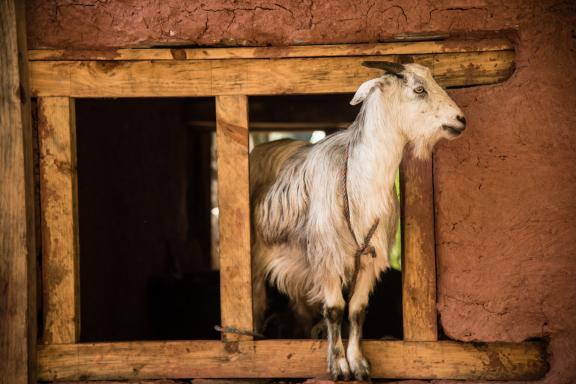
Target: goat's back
[266, 161]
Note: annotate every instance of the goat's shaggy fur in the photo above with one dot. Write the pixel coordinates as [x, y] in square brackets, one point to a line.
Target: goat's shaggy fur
[301, 242]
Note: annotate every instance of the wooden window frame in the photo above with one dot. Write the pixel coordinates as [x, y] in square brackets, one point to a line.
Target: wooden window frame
[231, 75]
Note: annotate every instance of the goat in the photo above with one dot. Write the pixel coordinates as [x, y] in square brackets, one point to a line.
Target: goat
[303, 244]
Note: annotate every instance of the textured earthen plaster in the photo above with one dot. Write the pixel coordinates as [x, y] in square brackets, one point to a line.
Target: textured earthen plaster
[506, 210]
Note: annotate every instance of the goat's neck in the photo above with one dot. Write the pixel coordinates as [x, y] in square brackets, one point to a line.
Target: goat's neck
[376, 149]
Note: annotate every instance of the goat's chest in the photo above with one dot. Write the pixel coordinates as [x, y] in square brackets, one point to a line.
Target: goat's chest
[383, 214]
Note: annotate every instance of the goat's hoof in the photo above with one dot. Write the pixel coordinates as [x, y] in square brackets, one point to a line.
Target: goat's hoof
[339, 369]
[360, 368]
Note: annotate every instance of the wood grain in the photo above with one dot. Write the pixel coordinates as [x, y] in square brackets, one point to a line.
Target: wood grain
[234, 216]
[397, 48]
[418, 251]
[288, 359]
[271, 126]
[17, 242]
[174, 78]
[58, 199]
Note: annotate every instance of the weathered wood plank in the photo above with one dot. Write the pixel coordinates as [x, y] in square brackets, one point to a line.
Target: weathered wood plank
[270, 126]
[17, 240]
[418, 251]
[234, 207]
[58, 189]
[288, 358]
[398, 48]
[250, 77]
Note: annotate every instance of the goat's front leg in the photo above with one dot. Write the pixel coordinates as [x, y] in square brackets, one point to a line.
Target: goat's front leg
[356, 313]
[333, 313]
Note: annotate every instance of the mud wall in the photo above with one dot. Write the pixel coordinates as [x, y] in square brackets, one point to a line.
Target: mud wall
[506, 211]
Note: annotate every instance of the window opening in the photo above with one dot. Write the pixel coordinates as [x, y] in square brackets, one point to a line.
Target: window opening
[144, 193]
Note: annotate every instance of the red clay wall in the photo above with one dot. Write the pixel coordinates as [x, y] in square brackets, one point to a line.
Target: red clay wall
[506, 214]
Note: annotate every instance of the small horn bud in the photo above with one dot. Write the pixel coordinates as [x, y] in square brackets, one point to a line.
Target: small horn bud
[395, 69]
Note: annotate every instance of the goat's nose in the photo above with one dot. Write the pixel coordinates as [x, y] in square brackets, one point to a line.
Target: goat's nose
[461, 119]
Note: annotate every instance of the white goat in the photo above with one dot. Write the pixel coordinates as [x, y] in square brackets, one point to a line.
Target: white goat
[303, 243]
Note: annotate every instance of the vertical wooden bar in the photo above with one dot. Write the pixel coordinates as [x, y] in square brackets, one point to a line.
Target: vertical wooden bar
[58, 199]
[418, 251]
[234, 208]
[17, 245]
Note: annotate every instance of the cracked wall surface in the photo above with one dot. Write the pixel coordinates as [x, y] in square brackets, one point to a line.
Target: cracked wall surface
[94, 24]
[505, 192]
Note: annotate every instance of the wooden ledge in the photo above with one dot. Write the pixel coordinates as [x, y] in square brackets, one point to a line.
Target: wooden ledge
[193, 78]
[287, 359]
[396, 48]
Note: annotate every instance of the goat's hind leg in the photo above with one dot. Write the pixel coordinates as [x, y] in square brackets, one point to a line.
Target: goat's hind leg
[356, 313]
[259, 296]
[333, 313]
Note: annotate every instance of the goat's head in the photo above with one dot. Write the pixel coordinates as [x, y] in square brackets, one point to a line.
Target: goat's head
[414, 103]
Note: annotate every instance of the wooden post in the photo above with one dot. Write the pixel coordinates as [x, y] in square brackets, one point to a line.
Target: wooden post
[58, 189]
[17, 245]
[234, 208]
[418, 251]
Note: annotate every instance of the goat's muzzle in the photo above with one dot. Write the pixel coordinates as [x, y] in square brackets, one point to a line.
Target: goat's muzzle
[456, 130]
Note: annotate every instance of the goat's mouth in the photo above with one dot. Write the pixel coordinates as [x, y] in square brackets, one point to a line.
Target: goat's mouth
[455, 131]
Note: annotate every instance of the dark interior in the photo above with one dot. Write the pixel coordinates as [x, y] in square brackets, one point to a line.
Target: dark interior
[145, 187]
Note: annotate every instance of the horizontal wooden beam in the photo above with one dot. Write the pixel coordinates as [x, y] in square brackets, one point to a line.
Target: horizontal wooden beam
[181, 78]
[399, 48]
[287, 359]
[272, 126]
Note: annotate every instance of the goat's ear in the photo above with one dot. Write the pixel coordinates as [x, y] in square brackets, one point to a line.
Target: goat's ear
[363, 91]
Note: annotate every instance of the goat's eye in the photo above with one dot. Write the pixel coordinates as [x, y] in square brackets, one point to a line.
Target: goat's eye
[419, 90]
